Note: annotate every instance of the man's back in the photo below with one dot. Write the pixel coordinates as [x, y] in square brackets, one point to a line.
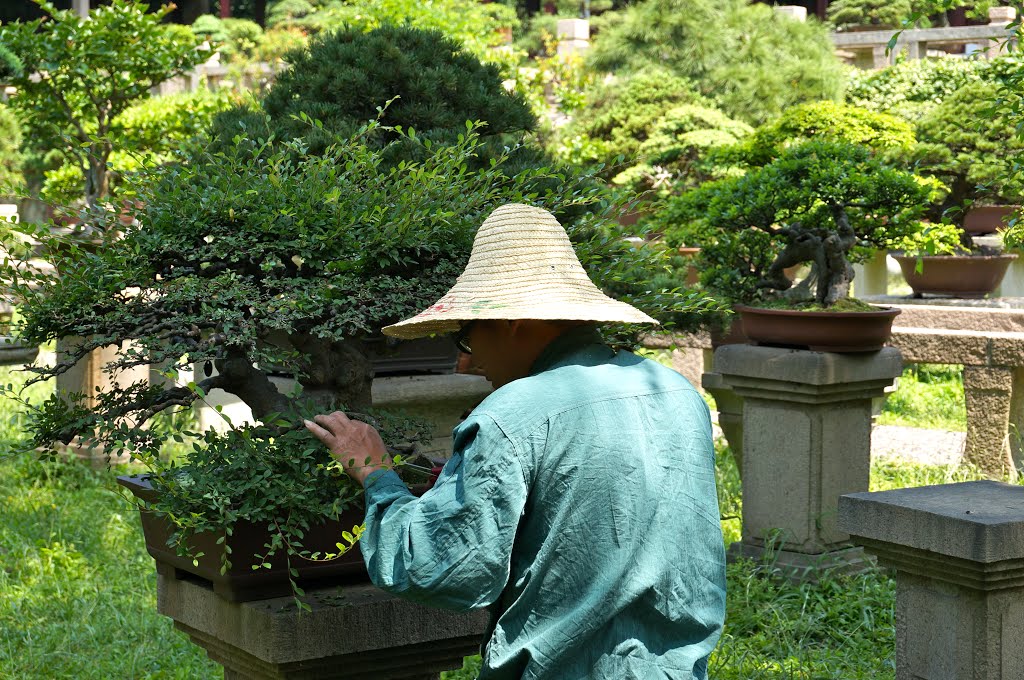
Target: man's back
[598, 471]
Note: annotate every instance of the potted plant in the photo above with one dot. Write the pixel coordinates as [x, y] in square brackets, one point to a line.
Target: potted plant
[973, 150]
[942, 260]
[819, 202]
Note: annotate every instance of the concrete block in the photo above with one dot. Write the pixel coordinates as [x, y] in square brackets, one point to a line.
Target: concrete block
[573, 29]
[352, 632]
[806, 439]
[958, 552]
[796, 12]
[943, 346]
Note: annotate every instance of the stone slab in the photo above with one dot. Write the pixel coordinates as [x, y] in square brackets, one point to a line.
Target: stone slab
[806, 367]
[961, 318]
[980, 521]
[802, 567]
[352, 620]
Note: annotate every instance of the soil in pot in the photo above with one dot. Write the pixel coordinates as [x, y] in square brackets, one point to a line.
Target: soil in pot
[824, 331]
[963, 276]
[241, 583]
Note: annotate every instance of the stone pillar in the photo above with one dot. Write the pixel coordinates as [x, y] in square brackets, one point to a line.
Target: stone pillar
[797, 12]
[988, 392]
[999, 16]
[573, 36]
[352, 632]
[806, 441]
[871, 277]
[878, 57]
[958, 552]
[730, 414]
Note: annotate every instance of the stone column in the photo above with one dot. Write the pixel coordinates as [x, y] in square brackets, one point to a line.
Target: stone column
[730, 414]
[806, 441]
[988, 393]
[872, 276]
[352, 632]
[958, 552]
[573, 36]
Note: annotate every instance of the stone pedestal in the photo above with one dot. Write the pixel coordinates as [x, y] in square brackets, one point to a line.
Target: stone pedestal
[958, 552]
[573, 36]
[806, 441]
[352, 632]
[730, 414]
[871, 277]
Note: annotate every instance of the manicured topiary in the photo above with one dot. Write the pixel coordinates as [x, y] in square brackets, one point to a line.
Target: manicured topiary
[10, 65]
[877, 14]
[10, 153]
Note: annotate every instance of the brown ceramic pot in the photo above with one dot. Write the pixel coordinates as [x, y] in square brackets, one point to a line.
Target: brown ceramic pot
[964, 276]
[988, 219]
[241, 583]
[818, 331]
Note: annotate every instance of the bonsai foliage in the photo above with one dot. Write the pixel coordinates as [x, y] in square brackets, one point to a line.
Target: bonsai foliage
[819, 202]
[422, 80]
[79, 74]
[750, 61]
[269, 258]
[679, 154]
[880, 14]
[974, 148]
[10, 65]
[620, 115]
[825, 121]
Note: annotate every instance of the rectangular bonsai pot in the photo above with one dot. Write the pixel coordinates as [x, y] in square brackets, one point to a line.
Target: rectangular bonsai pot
[241, 583]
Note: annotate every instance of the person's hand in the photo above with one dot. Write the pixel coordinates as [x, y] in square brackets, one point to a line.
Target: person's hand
[351, 443]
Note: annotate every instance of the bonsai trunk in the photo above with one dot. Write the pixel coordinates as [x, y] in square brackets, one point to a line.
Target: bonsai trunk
[836, 272]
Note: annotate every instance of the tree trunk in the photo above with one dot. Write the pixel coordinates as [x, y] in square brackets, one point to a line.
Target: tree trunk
[335, 373]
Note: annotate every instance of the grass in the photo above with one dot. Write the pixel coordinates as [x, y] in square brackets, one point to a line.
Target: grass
[928, 396]
[78, 600]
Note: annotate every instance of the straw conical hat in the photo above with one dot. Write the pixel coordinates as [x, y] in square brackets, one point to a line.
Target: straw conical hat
[522, 267]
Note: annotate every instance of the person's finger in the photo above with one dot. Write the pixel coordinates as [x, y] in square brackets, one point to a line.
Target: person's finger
[319, 432]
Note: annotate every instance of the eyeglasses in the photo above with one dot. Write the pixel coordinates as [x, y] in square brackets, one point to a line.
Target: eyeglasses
[462, 338]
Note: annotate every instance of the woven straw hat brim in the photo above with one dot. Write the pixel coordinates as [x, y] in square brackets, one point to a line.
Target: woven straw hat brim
[522, 267]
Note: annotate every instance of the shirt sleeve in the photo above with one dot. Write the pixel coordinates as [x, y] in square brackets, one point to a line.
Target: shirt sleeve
[450, 547]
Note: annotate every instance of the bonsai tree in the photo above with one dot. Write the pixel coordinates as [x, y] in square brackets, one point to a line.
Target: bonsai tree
[10, 65]
[680, 152]
[822, 203]
[973, 149]
[268, 258]
[749, 61]
[79, 74]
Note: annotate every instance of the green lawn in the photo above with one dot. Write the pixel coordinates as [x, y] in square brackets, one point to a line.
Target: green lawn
[77, 589]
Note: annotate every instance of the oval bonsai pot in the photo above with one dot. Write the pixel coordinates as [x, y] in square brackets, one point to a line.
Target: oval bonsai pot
[844, 332]
[988, 219]
[242, 583]
[964, 276]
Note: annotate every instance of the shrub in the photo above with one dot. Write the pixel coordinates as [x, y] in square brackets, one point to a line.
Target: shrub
[10, 153]
[620, 115]
[750, 61]
[911, 88]
[679, 154]
[149, 131]
[235, 39]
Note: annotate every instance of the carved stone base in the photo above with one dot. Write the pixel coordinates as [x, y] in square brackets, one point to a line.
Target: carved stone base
[351, 632]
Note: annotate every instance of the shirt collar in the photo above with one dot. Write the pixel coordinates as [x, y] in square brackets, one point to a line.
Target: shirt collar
[565, 344]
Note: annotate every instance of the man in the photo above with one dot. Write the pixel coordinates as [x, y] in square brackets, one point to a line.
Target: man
[579, 504]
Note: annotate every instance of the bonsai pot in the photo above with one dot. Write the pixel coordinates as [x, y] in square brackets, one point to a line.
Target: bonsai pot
[988, 219]
[692, 274]
[818, 331]
[242, 583]
[965, 276]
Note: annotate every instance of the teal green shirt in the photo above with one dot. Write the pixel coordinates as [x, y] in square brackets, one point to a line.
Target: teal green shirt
[579, 505]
